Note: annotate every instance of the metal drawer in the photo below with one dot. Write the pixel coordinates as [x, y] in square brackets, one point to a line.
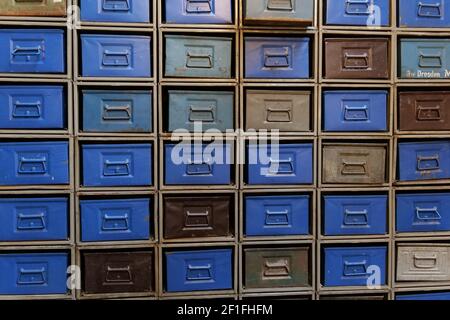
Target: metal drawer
[424, 13]
[354, 163]
[117, 272]
[198, 56]
[117, 111]
[136, 11]
[210, 109]
[434, 296]
[424, 110]
[279, 12]
[371, 13]
[361, 58]
[287, 111]
[199, 11]
[277, 268]
[32, 107]
[197, 216]
[33, 8]
[423, 263]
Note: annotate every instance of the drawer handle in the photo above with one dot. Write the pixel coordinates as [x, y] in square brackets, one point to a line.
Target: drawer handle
[198, 6]
[428, 214]
[353, 7]
[354, 168]
[356, 57]
[116, 168]
[429, 10]
[115, 223]
[425, 262]
[111, 113]
[31, 221]
[198, 220]
[116, 59]
[280, 5]
[356, 113]
[32, 166]
[430, 60]
[285, 115]
[116, 5]
[431, 163]
[118, 275]
[199, 273]
[355, 269]
[276, 58]
[277, 269]
[198, 169]
[195, 60]
[32, 276]
[356, 218]
[27, 51]
[277, 218]
[429, 113]
[281, 166]
[203, 114]
[26, 109]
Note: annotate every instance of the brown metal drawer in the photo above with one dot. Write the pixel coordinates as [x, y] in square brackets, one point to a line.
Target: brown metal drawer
[118, 272]
[347, 297]
[33, 8]
[275, 109]
[423, 263]
[424, 110]
[280, 267]
[199, 216]
[356, 58]
[354, 163]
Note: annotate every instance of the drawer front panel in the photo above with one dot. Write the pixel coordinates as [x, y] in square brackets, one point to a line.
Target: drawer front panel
[199, 11]
[431, 263]
[116, 10]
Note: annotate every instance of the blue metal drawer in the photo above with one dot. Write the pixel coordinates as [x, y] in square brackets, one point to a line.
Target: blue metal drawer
[115, 219]
[352, 266]
[277, 58]
[197, 56]
[277, 215]
[292, 165]
[425, 58]
[210, 109]
[116, 56]
[33, 273]
[199, 270]
[199, 11]
[355, 214]
[32, 51]
[117, 165]
[117, 111]
[33, 219]
[187, 164]
[279, 12]
[136, 11]
[426, 212]
[428, 160]
[32, 107]
[434, 296]
[34, 163]
[424, 13]
[358, 12]
[355, 110]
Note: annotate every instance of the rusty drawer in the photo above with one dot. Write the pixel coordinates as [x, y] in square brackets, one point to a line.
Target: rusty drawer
[197, 216]
[33, 8]
[277, 267]
[356, 58]
[424, 110]
[416, 262]
[118, 272]
[287, 111]
[354, 163]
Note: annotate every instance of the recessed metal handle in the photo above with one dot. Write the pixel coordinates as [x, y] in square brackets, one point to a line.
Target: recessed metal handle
[425, 261]
[277, 268]
[32, 165]
[197, 220]
[354, 168]
[428, 214]
[116, 5]
[430, 163]
[279, 115]
[115, 222]
[203, 114]
[277, 218]
[198, 169]
[26, 109]
[116, 113]
[36, 276]
[198, 6]
[27, 51]
[118, 275]
[199, 272]
[281, 166]
[197, 60]
[348, 58]
[35, 221]
[429, 10]
[357, 7]
[356, 113]
[276, 57]
[116, 58]
[428, 60]
[355, 269]
[429, 113]
[356, 217]
[116, 168]
[280, 5]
